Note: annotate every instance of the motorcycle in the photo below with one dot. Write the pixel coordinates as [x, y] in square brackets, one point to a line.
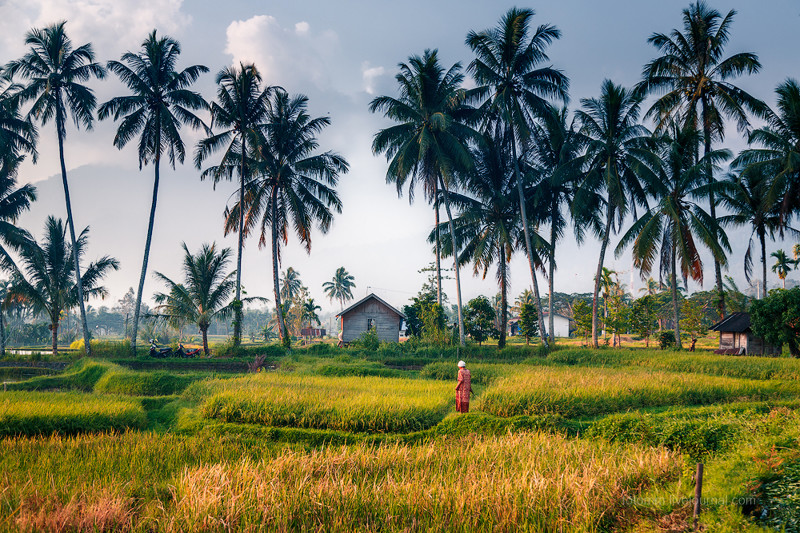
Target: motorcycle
[159, 353]
[187, 352]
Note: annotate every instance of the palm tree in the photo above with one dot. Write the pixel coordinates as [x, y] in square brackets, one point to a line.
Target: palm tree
[241, 112]
[55, 71]
[669, 231]
[340, 287]
[651, 287]
[309, 313]
[291, 284]
[159, 104]
[616, 151]
[488, 228]
[554, 160]
[292, 185]
[202, 297]
[429, 143]
[18, 135]
[779, 155]
[693, 77]
[796, 252]
[45, 281]
[515, 89]
[783, 265]
[747, 200]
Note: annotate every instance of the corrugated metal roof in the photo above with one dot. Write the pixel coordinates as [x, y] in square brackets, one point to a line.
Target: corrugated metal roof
[367, 297]
[735, 322]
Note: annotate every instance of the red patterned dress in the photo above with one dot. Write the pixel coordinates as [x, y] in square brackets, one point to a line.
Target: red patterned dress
[463, 390]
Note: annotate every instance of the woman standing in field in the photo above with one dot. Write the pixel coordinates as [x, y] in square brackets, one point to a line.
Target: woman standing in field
[463, 388]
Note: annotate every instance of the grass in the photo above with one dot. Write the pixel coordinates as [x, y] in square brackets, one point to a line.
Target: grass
[156, 383]
[43, 413]
[350, 404]
[576, 392]
[81, 375]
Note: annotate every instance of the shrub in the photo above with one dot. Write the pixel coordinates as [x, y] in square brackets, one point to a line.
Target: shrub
[666, 339]
[368, 340]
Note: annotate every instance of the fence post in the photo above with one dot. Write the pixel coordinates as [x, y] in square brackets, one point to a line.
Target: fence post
[698, 494]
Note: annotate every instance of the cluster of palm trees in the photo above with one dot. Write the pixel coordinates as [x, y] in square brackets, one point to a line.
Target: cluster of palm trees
[267, 139]
[506, 157]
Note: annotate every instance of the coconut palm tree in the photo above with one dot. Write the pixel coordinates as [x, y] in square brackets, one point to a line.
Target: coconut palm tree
[617, 150]
[515, 89]
[692, 79]
[18, 135]
[783, 265]
[241, 111]
[670, 230]
[779, 152]
[429, 143]
[309, 314]
[555, 168]
[45, 278]
[340, 287]
[796, 252]
[746, 199]
[160, 103]
[54, 71]
[291, 284]
[203, 296]
[291, 184]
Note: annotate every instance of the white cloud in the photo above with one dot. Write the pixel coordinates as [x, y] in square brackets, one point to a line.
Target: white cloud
[369, 74]
[288, 56]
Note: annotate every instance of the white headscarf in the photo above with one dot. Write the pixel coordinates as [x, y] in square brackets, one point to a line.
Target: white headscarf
[462, 364]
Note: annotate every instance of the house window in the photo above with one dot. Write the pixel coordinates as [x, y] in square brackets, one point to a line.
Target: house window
[370, 323]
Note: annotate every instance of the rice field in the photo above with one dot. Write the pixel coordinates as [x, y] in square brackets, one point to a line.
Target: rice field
[359, 404]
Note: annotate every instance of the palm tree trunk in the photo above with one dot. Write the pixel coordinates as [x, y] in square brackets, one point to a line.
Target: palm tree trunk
[276, 285]
[528, 247]
[70, 222]
[237, 310]
[675, 308]
[501, 342]
[603, 246]
[204, 331]
[551, 265]
[761, 238]
[2, 335]
[54, 330]
[438, 244]
[143, 275]
[461, 337]
[712, 208]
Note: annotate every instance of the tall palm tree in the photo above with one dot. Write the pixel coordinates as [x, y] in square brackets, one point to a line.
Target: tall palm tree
[783, 265]
[555, 147]
[45, 280]
[515, 89]
[488, 228]
[292, 186]
[291, 284]
[617, 150]
[340, 287]
[203, 296]
[18, 135]
[779, 152]
[159, 104]
[796, 252]
[669, 231]
[693, 77]
[54, 71]
[241, 111]
[309, 313]
[429, 142]
[746, 198]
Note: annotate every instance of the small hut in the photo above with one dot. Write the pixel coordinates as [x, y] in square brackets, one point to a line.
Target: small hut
[736, 337]
[371, 312]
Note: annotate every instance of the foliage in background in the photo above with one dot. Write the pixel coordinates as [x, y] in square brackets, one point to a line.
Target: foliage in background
[776, 318]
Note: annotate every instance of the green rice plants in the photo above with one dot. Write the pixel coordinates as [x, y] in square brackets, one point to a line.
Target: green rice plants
[24, 372]
[482, 374]
[366, 404]
[154, 383]
[81, 375]
[43, 413]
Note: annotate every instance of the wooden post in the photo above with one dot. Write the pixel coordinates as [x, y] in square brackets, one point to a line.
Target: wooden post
[698, 494]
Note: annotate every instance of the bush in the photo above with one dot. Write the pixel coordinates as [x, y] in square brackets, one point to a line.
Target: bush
[368, 340]
[778, 499]
[666, 339]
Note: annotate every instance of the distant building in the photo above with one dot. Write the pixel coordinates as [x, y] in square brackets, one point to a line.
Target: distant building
[736, 337]
[313, 332]
[368, 313]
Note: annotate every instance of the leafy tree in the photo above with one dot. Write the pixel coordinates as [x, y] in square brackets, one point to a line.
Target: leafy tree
[693, 320]
[54, 71]
[429, 142]
[528, 322]
[479, 319]
[618, 318]
[203, 296]
[692, 79]
[783, 265]
[340, 287]
[776, 319]
[617, 148]
[45, 281]
[582, 313]
[241, 112]
[643, 317]
[161, 102]
[292, 186]
[515, 89]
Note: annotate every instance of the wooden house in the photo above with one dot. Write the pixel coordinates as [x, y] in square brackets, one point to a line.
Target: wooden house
[736, 337]
[371, 312]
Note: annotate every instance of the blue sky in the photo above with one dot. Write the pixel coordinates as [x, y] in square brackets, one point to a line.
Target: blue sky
[342, 54]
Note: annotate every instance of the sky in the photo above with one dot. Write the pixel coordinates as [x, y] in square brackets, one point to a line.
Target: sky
[341, 55]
